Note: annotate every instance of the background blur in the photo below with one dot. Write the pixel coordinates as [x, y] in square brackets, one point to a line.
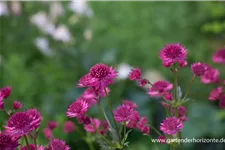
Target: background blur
[45, 47]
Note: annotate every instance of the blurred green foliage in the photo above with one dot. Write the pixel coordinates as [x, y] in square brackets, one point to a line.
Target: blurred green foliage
[123, 32]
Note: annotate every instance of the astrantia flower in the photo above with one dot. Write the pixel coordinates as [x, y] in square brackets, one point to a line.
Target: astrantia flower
[219, 56]
[181, 110]
[130, 103]
[135, 74]
[7, 143]
[222, 102]
[5, 91]
[57, 144]
[52, 125]
[123, 113]
[99, 77]
[160, 88]
[134, 120]
[32, 147]
[215, 93]
[199, 68]
[173, 53]
[142, 82]
[210, 76]
[171, 125]
[77, 109]
[68, 127]
[145, 130]
[162, 139]
[48, 133]
[17, 105]
[93, 126]
[22, 123]
[143, 121]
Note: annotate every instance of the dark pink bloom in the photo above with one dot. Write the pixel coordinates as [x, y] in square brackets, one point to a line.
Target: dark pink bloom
[57, 144]
[162, 139]
[17, 105]
[173, 53]
[1, 105]
[135, 74]
[130, 103]
[123, 113]
[104, 127]
[68, 127]
[48, 133]
[7, 143]
[142, 82]
[5, 91]
[32, 147]
[210, 76]
[183, 118]
[134, 120]
[182, 110]
[215, 93]
[171, 125]
[199, 69]
[222, 102]
[145, 130]
[99, 77]
[160, 88]
[143, 121]
[219, 56]
[52, 125]
[168, 96]
[93, 126]
[22, 123]
[77, 109]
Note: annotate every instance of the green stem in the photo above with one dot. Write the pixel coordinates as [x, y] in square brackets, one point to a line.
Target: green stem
[189, 87]
[35, 144]
[124, 130]
[27, 143]
[152, 127]
[103, 111]
[90, 145]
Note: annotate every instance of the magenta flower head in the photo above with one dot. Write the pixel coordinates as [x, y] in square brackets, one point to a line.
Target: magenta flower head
[130, 103]
[222, 102]
[199, 69]
[142, 122]
[142, 82]
[162, 139]
[77, 109]
[57, 144]
[210, 76]
[182, 110]
[135, 74]
[219, 56]
[32, 147]
[7, 143]
[145, 130]
[123, 113]
[17, 105]
[5, 91]
[171, 125]
[99, 77]
[215, 94]
[68, 127]
[52, 125]
[48, 133]
[134, 120]
[22, 123]
[160, 88]
[93, 126]
[173, 53]
[1, 105]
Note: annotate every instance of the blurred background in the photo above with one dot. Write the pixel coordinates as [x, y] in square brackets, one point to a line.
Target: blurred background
[45, 47]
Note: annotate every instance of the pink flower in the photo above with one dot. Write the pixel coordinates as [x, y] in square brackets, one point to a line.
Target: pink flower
[162, 139]
[219, 56]
[123, 113]
[171, 125]
[142, 82]
[48, 133]
[210, 76]
[32, 147]
[57, 144]
[7, 142]
[68, 127]
[173, 53]
[222, 102]
[134, 120]
[99, 77]
[17, 105]
[183, 118]
[130, 103]
[160, 88]
[215, 94]
[143, 121]
[145, 130]
[22, 123]
[1, 105]
[77, 109]
[182, 110]
[93, 126]
[104, 127]
[135, 74]
[5, 91]
[199, 69]
[52, 125]
[168, 96]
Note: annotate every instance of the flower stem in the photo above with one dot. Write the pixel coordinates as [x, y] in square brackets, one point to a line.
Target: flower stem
[103, 111]
[189, 87]
[156, 131]
[124, 130]
[27, 143]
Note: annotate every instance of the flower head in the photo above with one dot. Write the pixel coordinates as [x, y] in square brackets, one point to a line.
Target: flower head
[7, 142]
[93, 126]
[77, 109]
[32, 147]
[142, 122]
[219, 56]
[210, 76]
[57, 144]
[222, 102]
[160, 88]
[17, 105]
[130, 103]
[145, 130]
[173, 53]
[215, 94]
[182, 110]
[48, 133]
[142, 82]
[134, 120]
[162, 139]
[68, 127]
[199, 68]
[5, 91]
[99, 77]
[135, 74]
[52, 125]
[123, 113]
[171, 125]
